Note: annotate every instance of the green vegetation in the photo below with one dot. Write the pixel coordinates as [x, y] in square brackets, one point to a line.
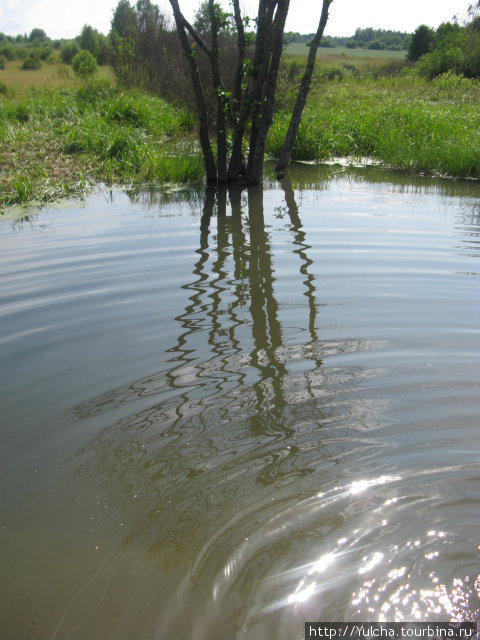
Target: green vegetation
[38, 46]
[420, 43]
[60, 136]
[32, 62]
[68, 52]
[53, 74]
[146, 52]
[453, 48]
[95, 43]
[404, 121]
[84, 64]
[59, 142]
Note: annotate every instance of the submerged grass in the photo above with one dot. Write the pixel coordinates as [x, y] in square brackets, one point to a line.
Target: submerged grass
[59, 142]
[404, 122]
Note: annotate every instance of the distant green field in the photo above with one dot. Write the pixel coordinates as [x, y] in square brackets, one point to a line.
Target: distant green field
[52, 74]
[340, 55]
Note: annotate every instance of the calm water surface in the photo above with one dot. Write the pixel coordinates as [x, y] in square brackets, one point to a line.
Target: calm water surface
[225, 414]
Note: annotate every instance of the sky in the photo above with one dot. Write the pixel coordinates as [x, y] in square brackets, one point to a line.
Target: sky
[65, 18]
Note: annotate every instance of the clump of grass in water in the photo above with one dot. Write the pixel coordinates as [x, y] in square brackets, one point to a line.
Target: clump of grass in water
[177, 169]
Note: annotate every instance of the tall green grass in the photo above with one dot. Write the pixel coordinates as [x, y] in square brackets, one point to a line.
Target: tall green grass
[405, 122]
[56, 142]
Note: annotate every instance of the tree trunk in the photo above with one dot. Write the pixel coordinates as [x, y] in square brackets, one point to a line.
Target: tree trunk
[236, 164]
[295, 120]
[264, 121]
[220, 97]
[208, 158]
[252, 99]
[261, 62]
[242, 50]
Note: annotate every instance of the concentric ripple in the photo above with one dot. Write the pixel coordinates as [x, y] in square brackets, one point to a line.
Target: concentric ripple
[227, 413]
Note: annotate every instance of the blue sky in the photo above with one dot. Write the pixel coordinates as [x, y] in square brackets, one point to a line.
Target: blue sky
[65, 18]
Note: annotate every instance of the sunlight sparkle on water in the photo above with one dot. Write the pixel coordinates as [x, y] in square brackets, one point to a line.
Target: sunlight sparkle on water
[303, 594]
[374, 560]
[321, 564]
[359, 486]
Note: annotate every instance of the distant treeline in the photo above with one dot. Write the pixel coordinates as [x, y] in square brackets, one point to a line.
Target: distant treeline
[144, 50]
[368, 38]
[36, 48]
[32, 49]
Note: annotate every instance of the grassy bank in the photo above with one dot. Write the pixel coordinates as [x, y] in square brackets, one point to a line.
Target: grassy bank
[58, 142]
[404, 121]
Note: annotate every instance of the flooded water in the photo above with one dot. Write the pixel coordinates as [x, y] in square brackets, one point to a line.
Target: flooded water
[226, 414]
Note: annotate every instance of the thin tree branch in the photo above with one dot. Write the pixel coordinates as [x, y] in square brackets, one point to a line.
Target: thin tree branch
[303, 90]
[242, 48]
[220, 96]
[196, 37]
[208, 158]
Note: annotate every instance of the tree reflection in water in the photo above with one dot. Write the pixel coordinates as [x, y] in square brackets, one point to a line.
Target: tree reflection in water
[215, 463]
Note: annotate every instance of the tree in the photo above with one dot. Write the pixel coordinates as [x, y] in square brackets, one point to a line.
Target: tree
[455, 49]
[32, 62]
[420, 43]
[250, 106]
[124, 20]
[201, 22]
[84, 64]
[37, 35]
[68, 52]
[145, 53]
[474, 12]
